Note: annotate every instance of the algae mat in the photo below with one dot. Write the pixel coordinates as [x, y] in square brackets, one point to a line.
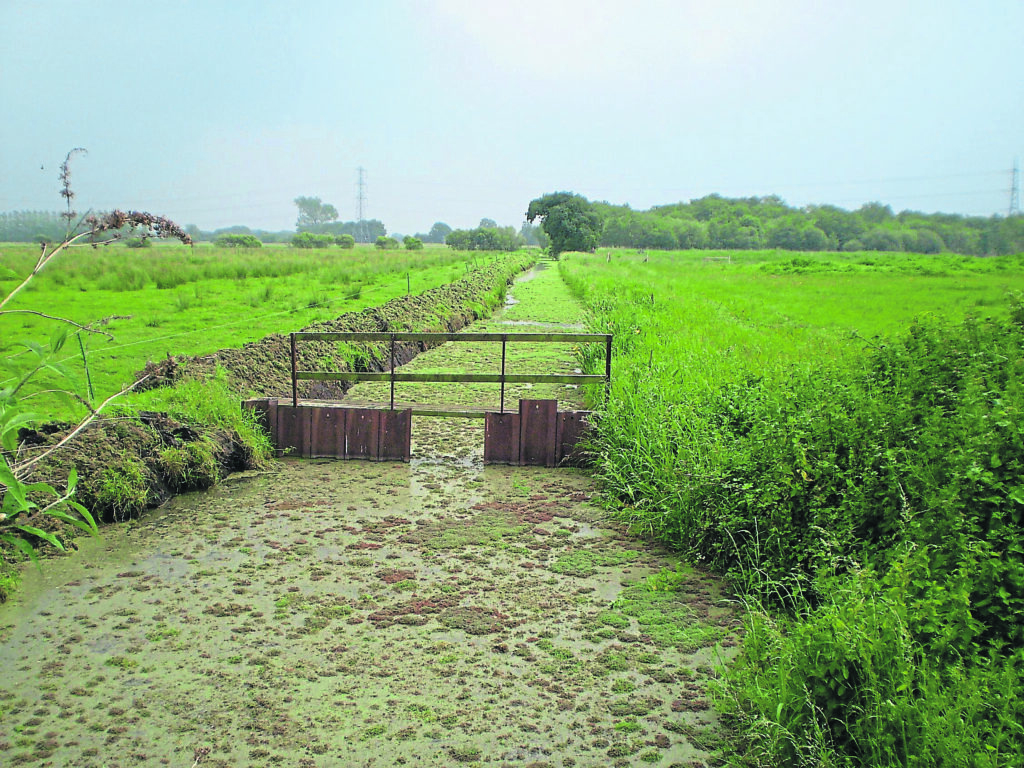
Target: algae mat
[357, 614]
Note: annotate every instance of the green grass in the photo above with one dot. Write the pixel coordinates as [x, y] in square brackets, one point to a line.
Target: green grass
[839, 434]
[172, 299]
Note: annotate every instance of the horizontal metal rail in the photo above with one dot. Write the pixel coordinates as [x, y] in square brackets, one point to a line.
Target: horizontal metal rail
[579, 338]
[455, 378]
[502, 378]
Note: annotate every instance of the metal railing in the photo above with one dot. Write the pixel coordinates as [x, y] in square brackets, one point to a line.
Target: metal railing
[502, 377]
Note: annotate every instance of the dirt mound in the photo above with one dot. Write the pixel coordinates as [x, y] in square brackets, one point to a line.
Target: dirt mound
[264, 367]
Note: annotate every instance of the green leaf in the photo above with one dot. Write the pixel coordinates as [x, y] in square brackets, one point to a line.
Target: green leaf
[72, 520]
[58, 337]
[10, 425]
[15, 488]
[35, 347]
[19, 543]
[47, 537]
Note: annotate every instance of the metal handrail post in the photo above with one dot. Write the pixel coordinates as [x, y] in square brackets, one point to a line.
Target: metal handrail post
[392, 371]
[295, 381]
[504, 340]
[607, 368]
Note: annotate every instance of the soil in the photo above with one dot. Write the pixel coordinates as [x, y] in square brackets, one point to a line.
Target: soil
[334, 613]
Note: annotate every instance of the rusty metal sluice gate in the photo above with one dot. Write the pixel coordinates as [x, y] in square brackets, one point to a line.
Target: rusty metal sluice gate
[536, 433]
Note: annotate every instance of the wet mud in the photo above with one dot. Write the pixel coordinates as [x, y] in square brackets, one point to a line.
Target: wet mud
[334, 613]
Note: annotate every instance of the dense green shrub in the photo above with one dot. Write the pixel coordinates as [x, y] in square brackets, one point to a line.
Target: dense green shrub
[386, 243]
[237, 241]
[869, 504]
[345, 241]
[311, 240]
[412, 243]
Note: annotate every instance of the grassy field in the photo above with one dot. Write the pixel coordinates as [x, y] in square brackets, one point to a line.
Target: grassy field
[841, 435]
[171, 299]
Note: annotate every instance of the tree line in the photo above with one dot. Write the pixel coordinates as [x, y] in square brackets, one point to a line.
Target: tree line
[718, 222]
[570, 222]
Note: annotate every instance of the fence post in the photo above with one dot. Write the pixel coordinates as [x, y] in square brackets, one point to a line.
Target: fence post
[392, 371]
[295, 381]
[607, 367]
[504, 340]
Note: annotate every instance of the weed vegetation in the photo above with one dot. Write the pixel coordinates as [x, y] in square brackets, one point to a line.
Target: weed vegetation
[840, 435]
[173, 299]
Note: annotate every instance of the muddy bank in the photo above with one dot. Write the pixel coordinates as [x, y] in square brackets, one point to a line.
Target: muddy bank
[131, 448]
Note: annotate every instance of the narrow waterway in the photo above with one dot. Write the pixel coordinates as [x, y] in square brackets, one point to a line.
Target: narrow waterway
[333, 613]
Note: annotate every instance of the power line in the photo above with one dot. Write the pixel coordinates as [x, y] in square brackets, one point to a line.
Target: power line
[1015, 189]
[361, 205]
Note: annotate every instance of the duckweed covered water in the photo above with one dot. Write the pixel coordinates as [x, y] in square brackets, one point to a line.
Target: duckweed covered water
[351, 613]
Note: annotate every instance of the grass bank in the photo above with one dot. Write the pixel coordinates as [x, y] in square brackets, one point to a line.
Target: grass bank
[172, 299]
[841, 437]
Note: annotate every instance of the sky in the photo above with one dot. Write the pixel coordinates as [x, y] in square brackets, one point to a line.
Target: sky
[218, 112]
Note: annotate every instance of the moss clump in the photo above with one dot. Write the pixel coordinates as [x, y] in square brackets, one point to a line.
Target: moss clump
[192, 466]
[666, 619]
[473, 621]
[585, 562]
[467, 753]
[124, 488]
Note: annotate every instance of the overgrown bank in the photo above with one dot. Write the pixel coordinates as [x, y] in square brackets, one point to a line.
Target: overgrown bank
[868, 504]
[188, 435]
[264, 367]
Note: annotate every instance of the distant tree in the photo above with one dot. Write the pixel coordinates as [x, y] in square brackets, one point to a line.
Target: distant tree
[487, 224]
[485, 239]
[813, 239]
[437, 233]
[875, 213]
[691, 234]
[881, 240]
[569, 220]
[314, 213]
[412, 243]
[345, 241]
[533, 235]
[928, 241]
[838, 224]
[386, 243]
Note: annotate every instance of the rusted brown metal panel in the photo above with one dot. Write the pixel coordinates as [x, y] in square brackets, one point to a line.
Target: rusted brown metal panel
[362, 433]
[293, 428]
[395, 442]
[537, 432]
[501, 438]
[573, 426]
[327, 433]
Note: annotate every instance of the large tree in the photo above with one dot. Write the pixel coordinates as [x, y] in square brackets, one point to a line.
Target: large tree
[569, 220]
[437, 233]
[314, 213]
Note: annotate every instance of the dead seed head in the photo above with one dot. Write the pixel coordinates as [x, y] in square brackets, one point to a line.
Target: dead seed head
[152, 225]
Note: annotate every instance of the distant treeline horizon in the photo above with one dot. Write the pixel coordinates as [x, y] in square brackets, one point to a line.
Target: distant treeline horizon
[711, 222]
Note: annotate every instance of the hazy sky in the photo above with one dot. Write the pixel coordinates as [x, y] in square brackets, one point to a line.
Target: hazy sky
[217, 112]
